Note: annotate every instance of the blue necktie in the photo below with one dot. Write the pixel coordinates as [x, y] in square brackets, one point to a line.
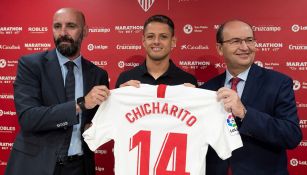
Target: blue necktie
[70, 81]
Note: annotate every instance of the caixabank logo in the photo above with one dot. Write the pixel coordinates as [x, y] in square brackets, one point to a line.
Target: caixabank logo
[9, 47]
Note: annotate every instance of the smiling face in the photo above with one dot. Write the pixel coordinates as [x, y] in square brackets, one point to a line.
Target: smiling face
[68, 31]
[238, 57]
[158, 41]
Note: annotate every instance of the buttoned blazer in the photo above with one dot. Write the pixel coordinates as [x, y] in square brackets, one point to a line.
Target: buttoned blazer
[44, 116]
[269, 128]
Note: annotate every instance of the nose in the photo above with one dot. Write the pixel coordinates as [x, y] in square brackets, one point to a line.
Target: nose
[63, 31]
[156, 40]
[243, 45]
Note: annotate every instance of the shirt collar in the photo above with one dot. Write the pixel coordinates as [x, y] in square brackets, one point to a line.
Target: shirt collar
[242, 75]
[171, 68]
[62, 60]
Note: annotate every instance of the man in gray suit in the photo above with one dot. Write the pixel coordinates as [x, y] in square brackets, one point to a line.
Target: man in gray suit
[56, 94]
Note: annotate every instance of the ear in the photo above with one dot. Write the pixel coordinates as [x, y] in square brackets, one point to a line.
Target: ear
[219, 49]
[85, 31]
[143, 40]
[174, 41]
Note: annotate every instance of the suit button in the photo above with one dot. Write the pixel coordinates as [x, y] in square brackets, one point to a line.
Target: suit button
[65, 127]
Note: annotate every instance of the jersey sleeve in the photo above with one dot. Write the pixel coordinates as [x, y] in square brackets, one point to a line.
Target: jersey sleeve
[102, 129]
[225, 137]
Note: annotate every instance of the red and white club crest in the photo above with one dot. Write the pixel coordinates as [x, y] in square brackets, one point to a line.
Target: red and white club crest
[146, 4]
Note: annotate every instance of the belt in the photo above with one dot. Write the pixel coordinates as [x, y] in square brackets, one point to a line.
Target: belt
[61, 160]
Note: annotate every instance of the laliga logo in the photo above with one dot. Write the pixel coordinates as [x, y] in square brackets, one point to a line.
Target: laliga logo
[121, 64]
[90, 47]
[295, 28]
[231, 121]
[146, 4]
[294, 162]
[188, 29]
[296, 85]
[2, 63]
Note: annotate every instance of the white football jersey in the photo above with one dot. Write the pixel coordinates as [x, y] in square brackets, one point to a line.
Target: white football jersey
[163, 130]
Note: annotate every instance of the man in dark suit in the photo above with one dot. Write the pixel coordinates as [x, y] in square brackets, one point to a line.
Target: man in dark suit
[56, 93]
[263, 102]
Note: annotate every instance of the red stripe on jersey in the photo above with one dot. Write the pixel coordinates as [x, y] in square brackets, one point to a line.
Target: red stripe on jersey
[161, 91]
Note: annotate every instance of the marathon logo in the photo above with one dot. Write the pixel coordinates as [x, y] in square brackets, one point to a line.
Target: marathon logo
[194, 63]
[128, 29]
[10, 30]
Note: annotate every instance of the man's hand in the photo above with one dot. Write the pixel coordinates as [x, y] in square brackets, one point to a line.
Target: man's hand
[189, 85]
[96, 96]
[134, 83]
[232, 102]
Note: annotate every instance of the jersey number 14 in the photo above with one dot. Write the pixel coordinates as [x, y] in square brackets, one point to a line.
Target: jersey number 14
[174, 144]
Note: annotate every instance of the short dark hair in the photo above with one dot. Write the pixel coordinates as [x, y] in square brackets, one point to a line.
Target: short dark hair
[219, 33]
[161, 19]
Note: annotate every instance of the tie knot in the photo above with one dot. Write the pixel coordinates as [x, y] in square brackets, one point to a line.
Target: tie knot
[70, 65]
[234, 83]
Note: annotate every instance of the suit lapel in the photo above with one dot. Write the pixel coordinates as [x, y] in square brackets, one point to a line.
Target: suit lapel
[54, 75]
[253, 84]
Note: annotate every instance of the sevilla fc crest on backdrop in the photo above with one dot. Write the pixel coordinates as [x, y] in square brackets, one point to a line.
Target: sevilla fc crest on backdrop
[146, 4]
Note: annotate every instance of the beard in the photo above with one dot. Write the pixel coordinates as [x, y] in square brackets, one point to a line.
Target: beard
[66, 49]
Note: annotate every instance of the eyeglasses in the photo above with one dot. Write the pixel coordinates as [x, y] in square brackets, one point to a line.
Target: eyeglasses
[250, 41]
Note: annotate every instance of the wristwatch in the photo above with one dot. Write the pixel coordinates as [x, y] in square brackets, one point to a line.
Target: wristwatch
[81, 103]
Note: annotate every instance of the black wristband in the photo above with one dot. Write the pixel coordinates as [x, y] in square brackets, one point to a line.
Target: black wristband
[81, 103]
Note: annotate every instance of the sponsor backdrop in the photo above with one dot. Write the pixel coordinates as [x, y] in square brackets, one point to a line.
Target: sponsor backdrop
[114, 44]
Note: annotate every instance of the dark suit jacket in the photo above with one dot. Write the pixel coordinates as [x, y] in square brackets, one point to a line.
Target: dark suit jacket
[269, 128]
[44, 115]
